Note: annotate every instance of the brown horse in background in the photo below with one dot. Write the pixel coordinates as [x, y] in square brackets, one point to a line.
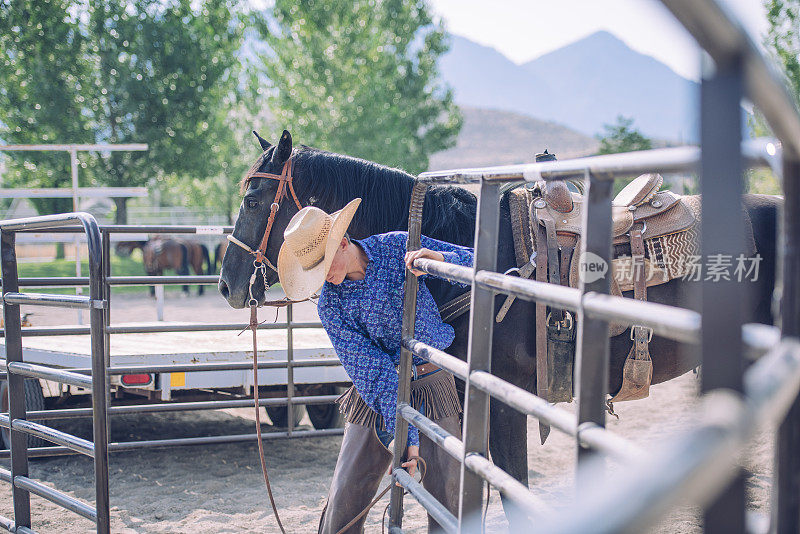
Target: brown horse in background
[162, 253]
[124, 249]
[198, 259]
[219, 253]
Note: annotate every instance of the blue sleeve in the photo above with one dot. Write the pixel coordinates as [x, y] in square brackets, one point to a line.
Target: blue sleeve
[370, 368]
[457, 254]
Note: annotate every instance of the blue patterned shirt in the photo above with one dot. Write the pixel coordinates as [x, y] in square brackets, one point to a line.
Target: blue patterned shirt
[363, 319]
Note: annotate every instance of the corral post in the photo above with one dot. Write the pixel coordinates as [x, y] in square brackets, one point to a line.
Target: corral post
[592, 355]
[786, 487]
[106, 272]
[721, 242]
[100, 388]
[159, 289]
[410, 288]
[16, 382]
[73, 163]
[476, 403]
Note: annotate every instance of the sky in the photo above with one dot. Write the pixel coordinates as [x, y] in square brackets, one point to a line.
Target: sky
[523, 30]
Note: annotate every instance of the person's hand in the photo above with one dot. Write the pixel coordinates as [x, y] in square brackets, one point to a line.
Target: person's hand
[421, 253]
[409, 465]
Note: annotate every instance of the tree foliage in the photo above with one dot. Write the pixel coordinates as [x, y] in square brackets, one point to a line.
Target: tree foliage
[148, 71]
[360, 77]
[622, 137]
[783, 39]
[783, 43]
[42, 65]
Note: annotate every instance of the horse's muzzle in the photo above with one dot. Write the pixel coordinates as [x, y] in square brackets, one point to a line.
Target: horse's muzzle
[234, 301]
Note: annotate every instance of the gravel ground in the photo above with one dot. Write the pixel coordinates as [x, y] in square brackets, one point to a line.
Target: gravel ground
[219, 488]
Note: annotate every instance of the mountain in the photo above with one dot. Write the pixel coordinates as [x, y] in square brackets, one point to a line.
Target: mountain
[484, 78]
[491, 137]
[583, 85]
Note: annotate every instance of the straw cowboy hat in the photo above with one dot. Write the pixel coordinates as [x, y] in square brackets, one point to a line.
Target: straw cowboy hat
[309, 244]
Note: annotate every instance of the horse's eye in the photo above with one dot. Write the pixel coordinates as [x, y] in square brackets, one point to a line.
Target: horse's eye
[251, 203]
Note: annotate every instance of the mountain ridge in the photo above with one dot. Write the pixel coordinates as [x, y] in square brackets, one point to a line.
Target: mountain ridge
[497, 137]
[583, 85]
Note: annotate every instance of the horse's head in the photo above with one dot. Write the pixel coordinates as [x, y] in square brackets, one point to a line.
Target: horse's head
[260, 193]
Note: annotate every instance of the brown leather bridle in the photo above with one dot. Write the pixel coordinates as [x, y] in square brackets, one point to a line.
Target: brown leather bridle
[285, 187]
[260, 263]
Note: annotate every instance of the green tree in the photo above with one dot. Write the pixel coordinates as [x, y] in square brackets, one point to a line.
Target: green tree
[783, 39]
[42, 68]
[622, 137]
[150, 71]
[360, 77]
[220, 193]
[783, 43]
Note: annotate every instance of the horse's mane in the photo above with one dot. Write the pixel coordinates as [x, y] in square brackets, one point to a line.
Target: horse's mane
[449, 213]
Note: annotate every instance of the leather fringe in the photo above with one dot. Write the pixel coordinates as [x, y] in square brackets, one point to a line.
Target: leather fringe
[436, 393]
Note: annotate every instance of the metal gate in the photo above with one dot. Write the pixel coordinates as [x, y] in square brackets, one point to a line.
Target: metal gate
[100, 280]
[18, 371]
[702, 465]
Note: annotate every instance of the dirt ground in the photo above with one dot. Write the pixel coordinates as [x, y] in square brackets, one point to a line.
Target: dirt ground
[219, 488]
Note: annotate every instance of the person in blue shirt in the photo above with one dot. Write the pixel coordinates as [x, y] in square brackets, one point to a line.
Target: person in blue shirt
[361, 306]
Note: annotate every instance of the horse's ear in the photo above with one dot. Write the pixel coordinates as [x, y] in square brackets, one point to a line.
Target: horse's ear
[284, 150]
[263, 142]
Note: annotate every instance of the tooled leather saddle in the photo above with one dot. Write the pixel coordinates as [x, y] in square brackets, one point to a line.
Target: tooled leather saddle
[655, 237]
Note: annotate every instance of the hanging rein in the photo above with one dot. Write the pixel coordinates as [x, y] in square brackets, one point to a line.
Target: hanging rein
[260, 264]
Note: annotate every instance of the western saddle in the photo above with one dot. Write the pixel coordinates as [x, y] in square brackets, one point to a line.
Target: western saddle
[655, 240]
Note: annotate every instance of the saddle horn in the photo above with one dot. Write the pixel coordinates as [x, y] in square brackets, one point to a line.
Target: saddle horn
[556, 193]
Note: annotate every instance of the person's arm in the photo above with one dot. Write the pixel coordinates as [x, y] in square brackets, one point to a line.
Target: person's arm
[370, 368]
[457, 254]
[441, 251]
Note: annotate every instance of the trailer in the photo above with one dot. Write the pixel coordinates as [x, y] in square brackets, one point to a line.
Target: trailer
[151, 369]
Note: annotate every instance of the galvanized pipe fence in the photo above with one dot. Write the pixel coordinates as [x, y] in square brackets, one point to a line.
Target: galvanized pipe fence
[22, 423]
[17, 371]
[702, 465]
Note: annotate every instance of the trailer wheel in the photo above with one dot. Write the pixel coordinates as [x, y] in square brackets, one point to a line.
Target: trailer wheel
[324, 416]
[280, 415]
[34, 400]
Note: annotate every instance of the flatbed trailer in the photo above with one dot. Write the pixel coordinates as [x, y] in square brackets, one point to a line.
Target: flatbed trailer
[152, 371]
[154, 349]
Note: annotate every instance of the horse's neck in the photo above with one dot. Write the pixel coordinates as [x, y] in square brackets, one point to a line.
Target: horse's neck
[448, 214]
[437, 221]
[383, 208]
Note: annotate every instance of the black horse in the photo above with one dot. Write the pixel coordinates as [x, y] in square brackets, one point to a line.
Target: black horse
[329, 181]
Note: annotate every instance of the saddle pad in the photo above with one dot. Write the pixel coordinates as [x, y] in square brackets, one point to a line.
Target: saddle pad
[694, 203]
[677, 253]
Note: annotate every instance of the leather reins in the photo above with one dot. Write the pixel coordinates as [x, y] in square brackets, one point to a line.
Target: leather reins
[260, 263]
